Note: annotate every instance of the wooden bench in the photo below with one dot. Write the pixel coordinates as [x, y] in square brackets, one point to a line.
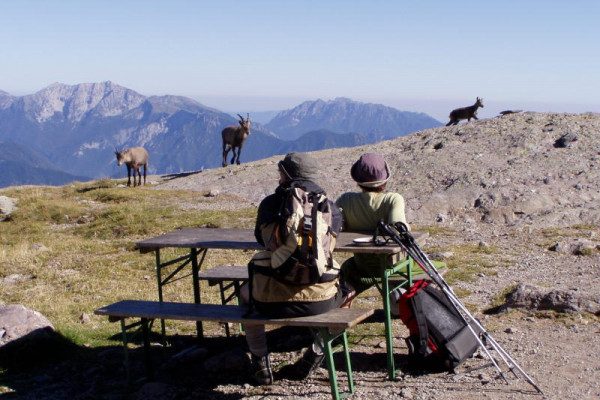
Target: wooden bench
[227, 277]
[396, 277]
[330, 326]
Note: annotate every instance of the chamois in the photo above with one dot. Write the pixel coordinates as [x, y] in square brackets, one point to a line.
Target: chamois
[234, 136]
[133, 158]
[465, 113]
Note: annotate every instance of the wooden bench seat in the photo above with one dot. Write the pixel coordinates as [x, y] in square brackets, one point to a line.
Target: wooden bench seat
[338, 318]
[232, 273]
[224, 273]
[230, 278]
[330, 325]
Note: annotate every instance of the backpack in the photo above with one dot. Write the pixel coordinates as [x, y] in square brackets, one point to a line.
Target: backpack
[299, 243]
[439, 337]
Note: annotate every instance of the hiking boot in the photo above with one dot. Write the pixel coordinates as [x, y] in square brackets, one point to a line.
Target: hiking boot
[309, 362]
[261, 370]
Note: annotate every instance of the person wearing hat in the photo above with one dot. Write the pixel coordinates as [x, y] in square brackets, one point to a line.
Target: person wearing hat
[362, 211]
[276, 299]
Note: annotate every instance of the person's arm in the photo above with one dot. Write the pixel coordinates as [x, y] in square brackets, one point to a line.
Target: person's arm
[396, 212]
[257, 226]
[267, 213]
[340, 208]
[337, 219]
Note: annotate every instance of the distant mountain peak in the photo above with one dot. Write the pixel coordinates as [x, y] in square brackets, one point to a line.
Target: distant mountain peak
[5, 99]
[343, 115]
[76, 127]
[73, 102]
[342, 100]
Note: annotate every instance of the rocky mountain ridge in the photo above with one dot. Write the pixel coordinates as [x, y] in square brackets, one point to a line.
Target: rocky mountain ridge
[517, 169]
[374, 121]
[77, 127]
[72, 103]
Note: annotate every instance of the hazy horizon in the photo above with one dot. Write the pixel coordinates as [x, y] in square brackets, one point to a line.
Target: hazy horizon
[438, 109]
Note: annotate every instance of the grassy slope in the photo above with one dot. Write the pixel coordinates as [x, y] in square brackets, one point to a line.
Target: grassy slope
[72, 249]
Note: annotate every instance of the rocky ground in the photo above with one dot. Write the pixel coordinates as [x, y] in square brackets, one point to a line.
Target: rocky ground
[523, 186]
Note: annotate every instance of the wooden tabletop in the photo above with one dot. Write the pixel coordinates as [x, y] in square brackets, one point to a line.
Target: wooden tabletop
[243, 239]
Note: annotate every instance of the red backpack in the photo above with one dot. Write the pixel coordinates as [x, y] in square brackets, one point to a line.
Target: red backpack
[439, 336]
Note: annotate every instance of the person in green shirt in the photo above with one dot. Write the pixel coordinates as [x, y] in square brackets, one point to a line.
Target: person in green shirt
[362, 211]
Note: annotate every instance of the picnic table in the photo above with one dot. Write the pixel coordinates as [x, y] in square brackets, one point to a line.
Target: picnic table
[199, 240]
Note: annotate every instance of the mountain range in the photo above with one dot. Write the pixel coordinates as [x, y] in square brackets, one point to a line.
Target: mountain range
[374, 121]
[76, 129]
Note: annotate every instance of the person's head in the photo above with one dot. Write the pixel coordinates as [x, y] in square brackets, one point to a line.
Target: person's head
[298, 166]
[370, 172]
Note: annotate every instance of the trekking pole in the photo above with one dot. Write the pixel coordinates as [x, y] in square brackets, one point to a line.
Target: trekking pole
[449, 292]
[400, 234]
[506, 358]
[511, 363]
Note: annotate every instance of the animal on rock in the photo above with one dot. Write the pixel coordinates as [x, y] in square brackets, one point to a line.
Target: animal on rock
[133, 158]
[234, 137]
[465, 113]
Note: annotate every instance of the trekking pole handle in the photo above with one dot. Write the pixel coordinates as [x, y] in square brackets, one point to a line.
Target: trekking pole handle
[401, 227]
[396, 229]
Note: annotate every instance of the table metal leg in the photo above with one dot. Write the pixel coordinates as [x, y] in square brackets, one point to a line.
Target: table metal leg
[160, 293]
[190, 258]
[146, 338]
[328, 349]
[389, 344]
[196, 281]
[145, 325]
[386, 290]
[125, 351]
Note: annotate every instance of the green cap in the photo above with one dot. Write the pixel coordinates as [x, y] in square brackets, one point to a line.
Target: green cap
[299, 165]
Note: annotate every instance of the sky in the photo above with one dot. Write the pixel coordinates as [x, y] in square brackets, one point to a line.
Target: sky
[259, 55]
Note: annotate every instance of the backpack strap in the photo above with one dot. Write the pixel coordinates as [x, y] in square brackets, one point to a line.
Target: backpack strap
[423, 349]
[309, 223]
[314, 212]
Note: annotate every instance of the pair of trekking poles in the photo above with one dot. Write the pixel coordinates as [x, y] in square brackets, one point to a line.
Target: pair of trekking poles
[398, 232]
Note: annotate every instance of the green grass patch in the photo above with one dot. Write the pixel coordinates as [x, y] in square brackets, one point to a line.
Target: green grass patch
[70, 250]
[549, 236]
[470, 260]
[434, 230]
[500, 298]
[569, 320]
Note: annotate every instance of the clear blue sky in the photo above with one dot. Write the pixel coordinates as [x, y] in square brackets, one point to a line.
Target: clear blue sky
[257, 55]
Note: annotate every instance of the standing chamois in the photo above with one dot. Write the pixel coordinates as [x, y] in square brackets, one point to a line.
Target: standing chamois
[465, 113]
[234, 136]
[133, 158]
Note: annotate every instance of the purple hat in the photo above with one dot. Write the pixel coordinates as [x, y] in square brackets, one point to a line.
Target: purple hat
[370, 170]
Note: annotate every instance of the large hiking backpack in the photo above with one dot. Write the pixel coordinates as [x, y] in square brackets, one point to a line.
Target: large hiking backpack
[439, 337]
[300, 242]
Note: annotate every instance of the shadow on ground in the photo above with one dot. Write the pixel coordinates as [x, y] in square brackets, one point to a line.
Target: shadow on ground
[49, 366]
[169, 177]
